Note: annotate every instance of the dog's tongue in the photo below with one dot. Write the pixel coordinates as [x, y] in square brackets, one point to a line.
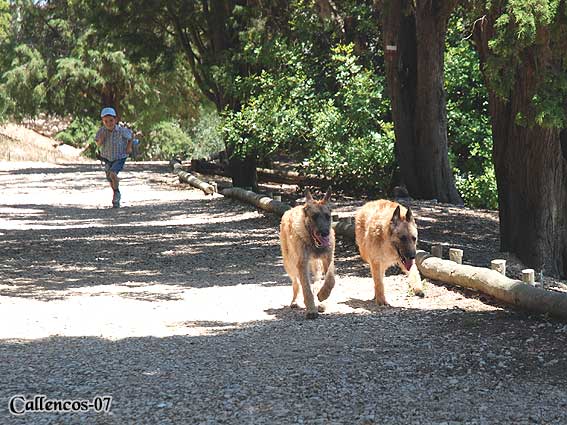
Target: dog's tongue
[407, 263]
[324, 240]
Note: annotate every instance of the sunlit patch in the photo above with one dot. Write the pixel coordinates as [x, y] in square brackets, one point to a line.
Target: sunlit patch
[21, 211]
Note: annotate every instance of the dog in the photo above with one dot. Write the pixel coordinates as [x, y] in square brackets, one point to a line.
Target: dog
[308, 243]
[386, 235]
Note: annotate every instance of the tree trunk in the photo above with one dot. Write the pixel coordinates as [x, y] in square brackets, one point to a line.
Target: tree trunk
[530, 166]
[398, 28]
[109, 97]
[435, 177]
[242, 170]
[414, 41]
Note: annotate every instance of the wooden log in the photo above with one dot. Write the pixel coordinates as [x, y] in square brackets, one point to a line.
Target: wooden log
[186, 177]
[206, 167]
[490, 282]
[264, 202]
[290, 177]
[264, 174]
[345, 228]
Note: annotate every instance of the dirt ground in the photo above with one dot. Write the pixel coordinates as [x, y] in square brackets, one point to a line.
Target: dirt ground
[176, 305]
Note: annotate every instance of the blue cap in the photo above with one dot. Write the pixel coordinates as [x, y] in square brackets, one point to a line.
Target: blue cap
[107, 111]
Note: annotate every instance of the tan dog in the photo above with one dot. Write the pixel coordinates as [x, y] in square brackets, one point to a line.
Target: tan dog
[308, 241]
[386, 234]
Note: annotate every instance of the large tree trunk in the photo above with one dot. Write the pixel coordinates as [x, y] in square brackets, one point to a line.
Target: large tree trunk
[530, 163]
[435, 177]
[414, 42]
[109, 97]
[242, 170]
[400, 44]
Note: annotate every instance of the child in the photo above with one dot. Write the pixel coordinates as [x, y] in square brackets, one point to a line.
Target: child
[116, 144]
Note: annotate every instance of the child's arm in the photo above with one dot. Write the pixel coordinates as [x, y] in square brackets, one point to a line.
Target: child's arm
[99, 138]
[127, 134]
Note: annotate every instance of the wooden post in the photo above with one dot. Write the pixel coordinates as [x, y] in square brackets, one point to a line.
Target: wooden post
[499, 266]
[456, 255]
[437, 250]
[528, 276]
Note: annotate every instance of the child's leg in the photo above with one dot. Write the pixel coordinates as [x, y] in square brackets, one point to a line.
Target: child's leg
[115, 168]
[113, 179]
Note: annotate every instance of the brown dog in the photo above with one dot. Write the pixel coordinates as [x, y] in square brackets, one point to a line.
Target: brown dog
[308, 241]
[386, 234]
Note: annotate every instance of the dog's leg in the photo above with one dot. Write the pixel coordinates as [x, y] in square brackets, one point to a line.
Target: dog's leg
[378, 277]
[415, 281]
[305, 279]
[329, 270]
[295, 287]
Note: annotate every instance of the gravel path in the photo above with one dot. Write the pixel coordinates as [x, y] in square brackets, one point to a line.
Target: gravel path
[176, 306]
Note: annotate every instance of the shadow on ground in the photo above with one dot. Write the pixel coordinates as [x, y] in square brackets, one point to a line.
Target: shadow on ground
[401, 366]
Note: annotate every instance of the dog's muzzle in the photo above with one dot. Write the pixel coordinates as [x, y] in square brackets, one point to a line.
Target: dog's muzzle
[319, 240]
[407, 262]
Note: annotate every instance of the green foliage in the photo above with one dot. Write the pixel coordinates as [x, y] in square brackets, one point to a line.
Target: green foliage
[80, 134]
[468, 125]
[4, 21]
[25, 82]
[166, 140]
[530, 33]
[206, 134]
[316, 97]
[479, 191]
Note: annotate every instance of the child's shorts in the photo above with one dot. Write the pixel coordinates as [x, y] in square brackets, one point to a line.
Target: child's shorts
[115, 166]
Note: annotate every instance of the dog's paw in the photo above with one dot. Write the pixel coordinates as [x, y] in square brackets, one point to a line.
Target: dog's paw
[381, 302]
[323, 294]
[311, 315]
[321, 308]
[294, 305]
[419, 293]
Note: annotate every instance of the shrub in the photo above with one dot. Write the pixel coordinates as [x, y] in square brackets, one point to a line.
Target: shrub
[166, 140]
[80, 133]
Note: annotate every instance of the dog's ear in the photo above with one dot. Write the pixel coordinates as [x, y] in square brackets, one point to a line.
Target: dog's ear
[308, 196]
[409, 216]
[327, 197]
[396, 216]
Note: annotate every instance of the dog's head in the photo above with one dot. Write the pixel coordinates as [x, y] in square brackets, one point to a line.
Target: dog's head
[318, 219]
[403, 231]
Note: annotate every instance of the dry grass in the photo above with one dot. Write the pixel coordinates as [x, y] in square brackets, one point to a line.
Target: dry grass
[18, 150]
[18, 144]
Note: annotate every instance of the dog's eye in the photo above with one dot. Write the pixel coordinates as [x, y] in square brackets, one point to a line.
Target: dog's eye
[413, 238]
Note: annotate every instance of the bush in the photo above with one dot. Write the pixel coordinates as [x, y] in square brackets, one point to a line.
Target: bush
[337, 123]
[206, 134]
[80, 134]
[167, 140]
[479, 191]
